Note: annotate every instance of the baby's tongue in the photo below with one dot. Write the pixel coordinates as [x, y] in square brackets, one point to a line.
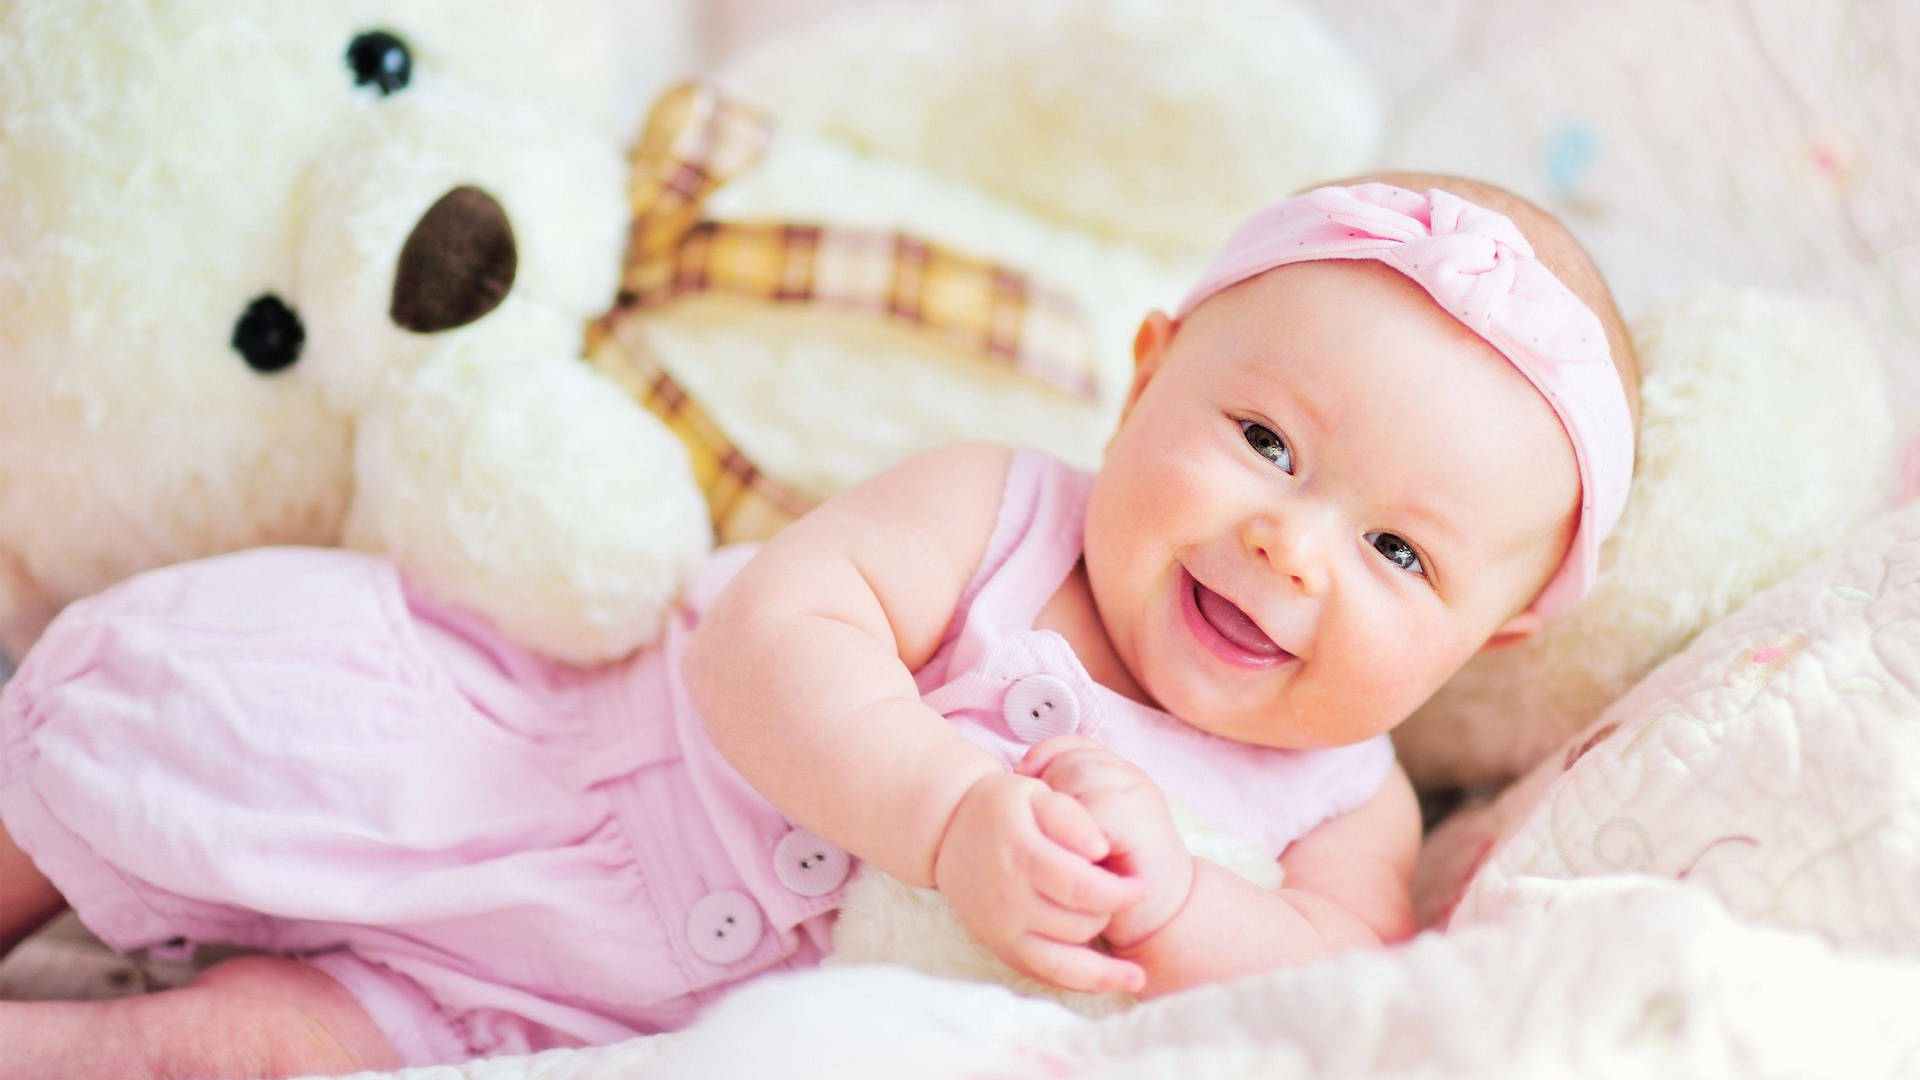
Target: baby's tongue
[1233, 623]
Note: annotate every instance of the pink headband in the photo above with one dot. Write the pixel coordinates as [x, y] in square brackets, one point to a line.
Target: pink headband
[1476, 264]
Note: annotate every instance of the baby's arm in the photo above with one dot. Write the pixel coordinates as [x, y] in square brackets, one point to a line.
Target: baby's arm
[1362, 862]
[1346, 887]
[802, 671]
[802, 668]
[1346, 882]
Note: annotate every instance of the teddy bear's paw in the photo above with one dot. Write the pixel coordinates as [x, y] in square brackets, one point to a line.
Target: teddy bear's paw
[536, 494]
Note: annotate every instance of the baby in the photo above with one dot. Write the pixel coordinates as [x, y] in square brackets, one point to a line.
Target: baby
[1386, 430]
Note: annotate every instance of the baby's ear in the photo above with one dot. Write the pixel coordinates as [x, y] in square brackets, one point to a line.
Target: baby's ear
[1514, 630]
[1149, 348]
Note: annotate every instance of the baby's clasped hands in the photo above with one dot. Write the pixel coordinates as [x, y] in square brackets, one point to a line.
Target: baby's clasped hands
[1019, 863]
[1135, 823]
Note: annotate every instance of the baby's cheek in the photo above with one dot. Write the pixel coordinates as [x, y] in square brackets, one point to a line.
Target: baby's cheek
[1379, 676]
[1182, 495]
[1152, 506]
[1427, 659]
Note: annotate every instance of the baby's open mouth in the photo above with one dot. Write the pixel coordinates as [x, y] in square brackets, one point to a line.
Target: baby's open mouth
[1235, 630]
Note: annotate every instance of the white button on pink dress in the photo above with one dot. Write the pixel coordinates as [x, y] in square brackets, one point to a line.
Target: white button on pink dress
[724, 926]
[810, 866]
[1039, 707]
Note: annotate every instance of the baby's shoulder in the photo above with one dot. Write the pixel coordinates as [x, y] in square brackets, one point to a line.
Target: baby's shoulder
[973, 471]
[914, 533]
[948, 486]
[949, 497]
[951, 494]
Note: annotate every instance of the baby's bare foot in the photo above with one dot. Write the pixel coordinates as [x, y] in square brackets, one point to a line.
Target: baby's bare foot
[61, 1039]
[253, 1017]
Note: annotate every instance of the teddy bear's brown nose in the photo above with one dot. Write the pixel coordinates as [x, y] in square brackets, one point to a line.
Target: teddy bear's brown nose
[456, 265]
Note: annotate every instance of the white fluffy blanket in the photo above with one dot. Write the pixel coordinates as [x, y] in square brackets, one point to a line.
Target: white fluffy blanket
[1629, 977]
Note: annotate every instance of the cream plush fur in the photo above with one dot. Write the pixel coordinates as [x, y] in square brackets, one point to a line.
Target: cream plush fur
[163, 165]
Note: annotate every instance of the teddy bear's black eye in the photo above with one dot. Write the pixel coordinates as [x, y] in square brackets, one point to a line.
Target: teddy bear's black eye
[269, 335]
[381, 59]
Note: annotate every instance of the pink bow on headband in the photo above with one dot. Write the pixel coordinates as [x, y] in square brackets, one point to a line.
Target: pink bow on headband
[1477, 265]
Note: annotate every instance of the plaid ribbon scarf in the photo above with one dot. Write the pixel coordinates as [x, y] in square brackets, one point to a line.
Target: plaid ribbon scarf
[693, 142]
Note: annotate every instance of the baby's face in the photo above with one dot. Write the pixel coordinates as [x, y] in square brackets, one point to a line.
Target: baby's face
[1325, 495]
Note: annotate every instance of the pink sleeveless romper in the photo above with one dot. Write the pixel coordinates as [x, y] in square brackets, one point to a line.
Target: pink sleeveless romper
[287, 750]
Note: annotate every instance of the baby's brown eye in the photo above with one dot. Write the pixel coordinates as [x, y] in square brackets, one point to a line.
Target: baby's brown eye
[1267, 443]
[1397, 551]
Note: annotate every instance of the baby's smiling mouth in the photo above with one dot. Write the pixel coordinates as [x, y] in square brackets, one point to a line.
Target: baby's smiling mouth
[1233, 624]
[1234, 634]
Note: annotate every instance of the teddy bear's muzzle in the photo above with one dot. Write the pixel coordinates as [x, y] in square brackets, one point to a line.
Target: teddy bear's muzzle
[457, 263]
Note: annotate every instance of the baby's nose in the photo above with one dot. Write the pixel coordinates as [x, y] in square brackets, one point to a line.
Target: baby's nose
[1295, 547]
[457, 263]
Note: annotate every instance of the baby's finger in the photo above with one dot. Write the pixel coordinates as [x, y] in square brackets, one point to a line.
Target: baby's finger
[1077, 967]
[1067, 823]
[1050, 920]
[1071, 881]
[1039, 754]
[1084, 771]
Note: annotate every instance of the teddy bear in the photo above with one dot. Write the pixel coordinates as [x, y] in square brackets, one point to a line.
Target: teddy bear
[346, 311]
[325, 275]
[319, 274]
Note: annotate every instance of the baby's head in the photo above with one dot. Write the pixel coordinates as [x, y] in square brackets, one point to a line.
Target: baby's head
[1328, 491]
